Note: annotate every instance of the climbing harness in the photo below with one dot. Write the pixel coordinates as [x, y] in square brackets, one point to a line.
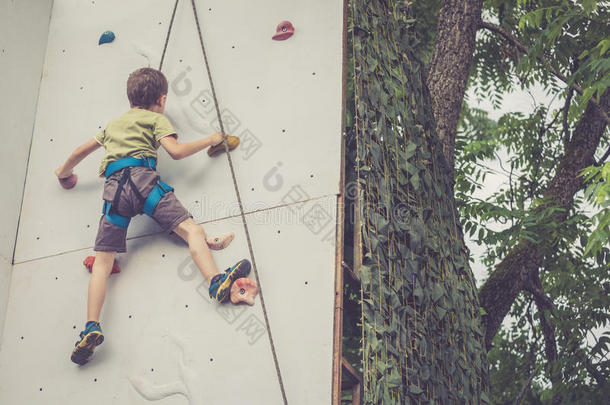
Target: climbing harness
[109, 209]
[241, 208]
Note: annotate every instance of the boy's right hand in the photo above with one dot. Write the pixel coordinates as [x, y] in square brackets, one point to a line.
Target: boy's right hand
[216, 138]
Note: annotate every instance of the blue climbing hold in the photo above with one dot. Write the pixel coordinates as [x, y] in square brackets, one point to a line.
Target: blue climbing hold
[106, 37]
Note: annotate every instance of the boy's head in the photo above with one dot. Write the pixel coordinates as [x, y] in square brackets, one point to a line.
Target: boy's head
[147, 88]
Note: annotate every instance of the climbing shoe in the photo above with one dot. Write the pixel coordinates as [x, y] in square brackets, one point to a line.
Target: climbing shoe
[89, 339]
[220, 285]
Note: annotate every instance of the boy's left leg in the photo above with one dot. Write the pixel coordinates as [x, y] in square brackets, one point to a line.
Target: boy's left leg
[102, 267]
[220, 283]
[194, 235]
[92, 335]
[173, 217]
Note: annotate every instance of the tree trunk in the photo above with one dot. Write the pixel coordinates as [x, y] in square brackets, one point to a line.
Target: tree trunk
[449, 68]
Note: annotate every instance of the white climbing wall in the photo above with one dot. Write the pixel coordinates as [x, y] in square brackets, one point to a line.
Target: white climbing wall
[24, 27]
[165, 340]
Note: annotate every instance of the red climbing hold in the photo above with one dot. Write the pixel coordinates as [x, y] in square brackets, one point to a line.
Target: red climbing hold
[243, 290]
[69, 181]
[283, 31]
[88, 262]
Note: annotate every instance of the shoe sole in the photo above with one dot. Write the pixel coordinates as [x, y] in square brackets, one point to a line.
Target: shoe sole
[241, 269]
[84, 349]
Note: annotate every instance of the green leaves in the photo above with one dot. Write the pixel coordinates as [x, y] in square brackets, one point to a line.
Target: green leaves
[414, 273]
[598, 194]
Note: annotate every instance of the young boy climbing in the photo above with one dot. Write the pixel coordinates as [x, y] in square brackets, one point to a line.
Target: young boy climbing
[133, 187]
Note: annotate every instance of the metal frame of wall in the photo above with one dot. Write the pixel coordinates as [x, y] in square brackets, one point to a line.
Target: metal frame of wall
[340, 364]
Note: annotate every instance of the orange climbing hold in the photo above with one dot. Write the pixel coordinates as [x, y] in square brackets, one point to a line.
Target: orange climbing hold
[88, 262]
[243, 290]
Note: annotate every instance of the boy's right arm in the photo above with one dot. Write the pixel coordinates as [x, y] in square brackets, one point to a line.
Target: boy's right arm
[179, 150]
[75, 158]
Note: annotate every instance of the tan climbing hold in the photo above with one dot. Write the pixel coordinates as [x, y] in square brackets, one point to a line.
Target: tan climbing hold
[232, 141]
[220, 242]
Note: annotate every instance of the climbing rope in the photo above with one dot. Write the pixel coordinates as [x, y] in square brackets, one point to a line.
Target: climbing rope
[169, 31]
[241, 209]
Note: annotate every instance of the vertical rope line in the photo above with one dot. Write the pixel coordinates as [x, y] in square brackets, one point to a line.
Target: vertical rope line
[241, 209]
[169, 31]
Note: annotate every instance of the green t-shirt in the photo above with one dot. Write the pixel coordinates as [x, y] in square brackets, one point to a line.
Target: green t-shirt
[136, 133]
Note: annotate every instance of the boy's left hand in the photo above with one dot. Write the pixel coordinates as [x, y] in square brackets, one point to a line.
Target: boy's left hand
[61, 174]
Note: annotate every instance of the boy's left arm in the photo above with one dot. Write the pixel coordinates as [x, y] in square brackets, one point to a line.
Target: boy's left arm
[75, 158]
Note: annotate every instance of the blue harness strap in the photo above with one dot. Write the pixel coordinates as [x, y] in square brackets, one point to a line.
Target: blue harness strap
[113, 217]
[152, 199]
[117, 165]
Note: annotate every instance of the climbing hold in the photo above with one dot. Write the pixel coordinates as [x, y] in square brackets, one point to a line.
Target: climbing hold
[233, 142]
[107, 36]
[283, 31]
[88, 262]
[220, 242]
[243, 290]
[68, 182]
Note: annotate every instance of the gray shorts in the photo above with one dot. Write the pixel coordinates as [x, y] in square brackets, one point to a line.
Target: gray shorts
[169, 213]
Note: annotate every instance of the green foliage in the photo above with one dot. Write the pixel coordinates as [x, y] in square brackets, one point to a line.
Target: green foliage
[598, 193]
[571, 38]
[421, 333]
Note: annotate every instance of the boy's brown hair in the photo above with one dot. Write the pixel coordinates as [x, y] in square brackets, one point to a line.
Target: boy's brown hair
[145, 86]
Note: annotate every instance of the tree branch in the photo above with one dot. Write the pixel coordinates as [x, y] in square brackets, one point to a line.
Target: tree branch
[566, 127]
[514, 272]
[543, 302]
[524, 49]
[525, 387]
[602, 160]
